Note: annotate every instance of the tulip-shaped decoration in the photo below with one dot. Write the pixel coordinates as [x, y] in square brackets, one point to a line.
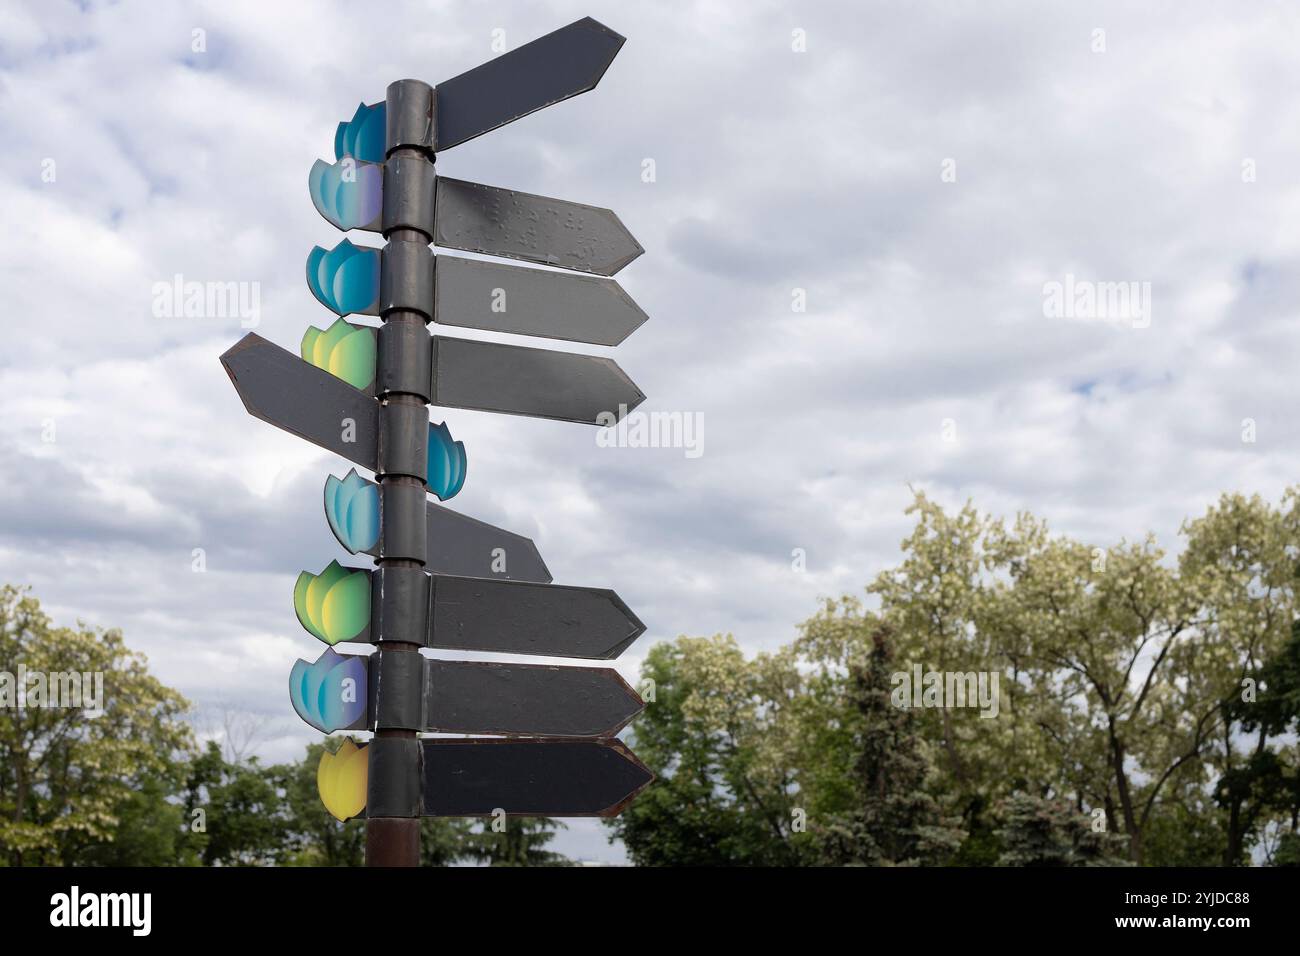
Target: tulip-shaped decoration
[334, 605]
[447, 462]
[352, 510]
[345, 279]
[341, 780]
[363, 135]
[349, 193]
[344, 350]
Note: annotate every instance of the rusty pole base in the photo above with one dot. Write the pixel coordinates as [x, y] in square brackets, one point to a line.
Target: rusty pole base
[393, 841]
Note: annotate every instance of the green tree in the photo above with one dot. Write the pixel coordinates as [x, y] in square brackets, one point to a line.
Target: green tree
[313, 836]
[69, 780]
[894, 820]
[1038, 831]
[242, 808]
[720, 735]
[1265, 787]
[520, 842]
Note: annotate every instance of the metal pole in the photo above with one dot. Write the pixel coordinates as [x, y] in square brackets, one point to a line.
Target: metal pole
[408, 206]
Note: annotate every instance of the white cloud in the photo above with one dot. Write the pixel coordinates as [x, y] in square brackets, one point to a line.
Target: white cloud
[775, 170]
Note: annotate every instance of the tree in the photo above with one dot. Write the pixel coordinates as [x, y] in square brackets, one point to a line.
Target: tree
[313, 836]
[69, 779]
[520, 842]
[1266, 786]
[721, 735]
[1038, 831]
[894, 820]
[243, 810]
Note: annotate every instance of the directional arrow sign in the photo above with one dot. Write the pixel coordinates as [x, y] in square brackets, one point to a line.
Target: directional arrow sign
[469, 697]
[455, 543]
[516, 225]
[280, 388]
[476, 218]
[502, 298]
[491, 377]
[517, 617]
[475, 294]
[461, 545]
[550, 69]
[539, 777]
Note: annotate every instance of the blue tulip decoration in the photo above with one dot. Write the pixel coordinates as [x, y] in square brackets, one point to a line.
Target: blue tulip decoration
[345, 279]
[330, 694]
[349, 193]
[352, 510]
[447, 462]
[362, 136]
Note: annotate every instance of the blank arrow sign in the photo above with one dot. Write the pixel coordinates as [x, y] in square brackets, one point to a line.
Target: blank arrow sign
[549, 69]
[540, 777]
[492, 377]
[519, 617]
[517, 225]
[280, 388]
[505, 298]
[472, 697]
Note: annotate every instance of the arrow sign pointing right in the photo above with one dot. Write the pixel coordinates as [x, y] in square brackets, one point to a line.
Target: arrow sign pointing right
[519, 617]
[454, 543]
[539, 777]
[503, 298]
[549, 69]
[471, 697]
[518, 225]
[491, 377]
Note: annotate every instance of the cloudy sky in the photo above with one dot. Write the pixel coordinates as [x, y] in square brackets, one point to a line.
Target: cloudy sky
[914, 174]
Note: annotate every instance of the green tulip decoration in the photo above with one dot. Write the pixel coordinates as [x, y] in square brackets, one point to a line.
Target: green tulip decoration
[344, 350]
[333, 605]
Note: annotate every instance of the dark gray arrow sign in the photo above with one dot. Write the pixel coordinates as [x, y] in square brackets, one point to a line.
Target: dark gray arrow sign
[539, 777]
[549, 69]
[458, 544]
[280, 388]
[498, 297]
[502, 298]
[470, 697]
[517, 225]
[491, 377]
[518, 617]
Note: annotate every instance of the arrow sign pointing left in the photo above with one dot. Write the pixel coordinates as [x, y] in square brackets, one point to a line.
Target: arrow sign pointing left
[283, 390]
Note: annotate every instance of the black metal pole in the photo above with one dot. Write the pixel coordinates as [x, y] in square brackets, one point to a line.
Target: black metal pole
[393, 821]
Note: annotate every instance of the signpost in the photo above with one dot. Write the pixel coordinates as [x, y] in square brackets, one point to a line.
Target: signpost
[444, 580]
[467, 697]
[474, 294]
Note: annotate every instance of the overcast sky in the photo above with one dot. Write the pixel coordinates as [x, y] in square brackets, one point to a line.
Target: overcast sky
[920, 171]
